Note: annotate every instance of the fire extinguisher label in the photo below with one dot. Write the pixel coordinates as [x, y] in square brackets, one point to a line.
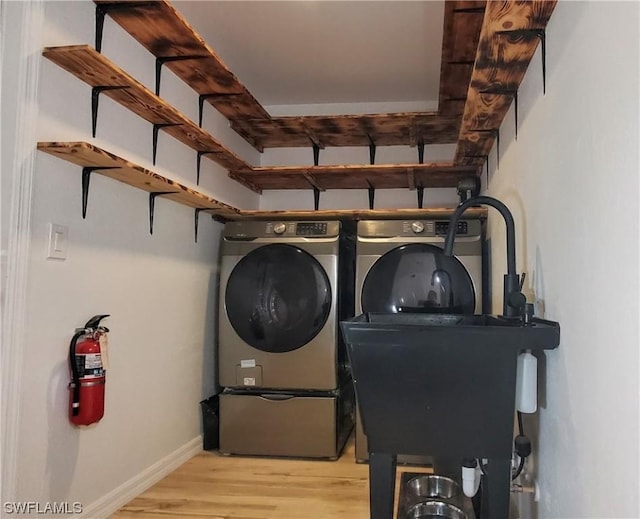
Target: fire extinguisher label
[90, 365]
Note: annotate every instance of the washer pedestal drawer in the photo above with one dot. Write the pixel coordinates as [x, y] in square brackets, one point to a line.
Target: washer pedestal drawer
[278, 424]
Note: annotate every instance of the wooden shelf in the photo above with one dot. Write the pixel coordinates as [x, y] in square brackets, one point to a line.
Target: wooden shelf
[388, 176]
[487, 45]
[162, 30]
[510, 35]
[150, 23]
[461, 33]
[393, 129]
[93, 68]
[90, 156]
[87, 155]
[363, 214]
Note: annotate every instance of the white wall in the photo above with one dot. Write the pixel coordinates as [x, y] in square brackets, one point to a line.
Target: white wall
[160, 290]
[571, 180]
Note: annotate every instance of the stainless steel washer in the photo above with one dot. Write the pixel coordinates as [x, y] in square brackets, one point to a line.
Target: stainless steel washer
[284, 287]
[400, 267]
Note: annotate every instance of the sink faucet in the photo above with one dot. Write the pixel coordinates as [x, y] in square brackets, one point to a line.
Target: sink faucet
[514, 301]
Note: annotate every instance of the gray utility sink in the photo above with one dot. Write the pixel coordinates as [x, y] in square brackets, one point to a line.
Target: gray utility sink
[441, 385]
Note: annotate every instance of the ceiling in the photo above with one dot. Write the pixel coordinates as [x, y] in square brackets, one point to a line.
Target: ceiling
[325, 52]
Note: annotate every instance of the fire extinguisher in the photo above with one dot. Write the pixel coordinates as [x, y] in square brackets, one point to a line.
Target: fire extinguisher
[86, 361]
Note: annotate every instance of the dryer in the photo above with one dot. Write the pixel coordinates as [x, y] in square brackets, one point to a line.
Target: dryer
[284, 287]
[400, 267]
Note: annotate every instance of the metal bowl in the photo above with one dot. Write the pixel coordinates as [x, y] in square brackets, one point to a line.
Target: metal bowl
[432, 485]
[435, 510]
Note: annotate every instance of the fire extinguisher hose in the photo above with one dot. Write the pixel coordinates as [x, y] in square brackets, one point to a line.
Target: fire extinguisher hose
[74, 372]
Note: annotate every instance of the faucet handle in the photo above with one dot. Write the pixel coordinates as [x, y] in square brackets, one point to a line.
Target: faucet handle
[522, 278]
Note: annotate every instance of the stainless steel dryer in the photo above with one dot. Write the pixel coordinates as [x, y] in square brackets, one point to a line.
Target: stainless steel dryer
[284, 287]
[400, 267]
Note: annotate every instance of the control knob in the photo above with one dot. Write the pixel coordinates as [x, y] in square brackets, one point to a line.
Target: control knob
[417, 227]
[279, 228]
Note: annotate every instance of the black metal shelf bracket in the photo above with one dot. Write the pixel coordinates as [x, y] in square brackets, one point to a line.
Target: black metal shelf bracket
[420, 190]
[372, 195]
[421, 152]
[543, 43]
[95, 96]
[199, 162]
[316, 154]
[203, 97]
[104, 9]
[156, 128]
[197, 212]
[506, 92]
[167, 59]
[519, 34]
[152, 205]
[372, 150]
[470, 10]
[86, 177]
[316, 198]
[495, 133]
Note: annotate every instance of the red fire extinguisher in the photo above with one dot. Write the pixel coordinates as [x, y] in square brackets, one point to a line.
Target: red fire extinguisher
[86, 390]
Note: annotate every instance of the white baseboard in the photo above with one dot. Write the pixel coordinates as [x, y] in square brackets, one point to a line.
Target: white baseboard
[120, 496]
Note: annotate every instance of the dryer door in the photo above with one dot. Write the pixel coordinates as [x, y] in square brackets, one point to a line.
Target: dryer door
[278, 298]
[418, 277]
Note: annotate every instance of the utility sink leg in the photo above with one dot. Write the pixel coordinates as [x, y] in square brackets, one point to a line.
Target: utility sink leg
[496, 490]
[382, 484]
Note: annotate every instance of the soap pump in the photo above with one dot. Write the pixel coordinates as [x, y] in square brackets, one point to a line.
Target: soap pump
[471, 475]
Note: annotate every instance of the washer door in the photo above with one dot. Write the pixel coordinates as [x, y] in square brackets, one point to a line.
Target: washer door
[278, 298]
[418, 277]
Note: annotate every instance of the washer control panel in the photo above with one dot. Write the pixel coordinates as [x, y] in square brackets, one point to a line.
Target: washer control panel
[416, 228]
[302, 229]
[246, 231]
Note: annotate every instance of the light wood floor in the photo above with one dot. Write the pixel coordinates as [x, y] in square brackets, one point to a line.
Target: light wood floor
[229, 487]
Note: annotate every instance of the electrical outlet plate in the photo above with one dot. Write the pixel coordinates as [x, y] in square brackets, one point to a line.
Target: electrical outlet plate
[58, 241]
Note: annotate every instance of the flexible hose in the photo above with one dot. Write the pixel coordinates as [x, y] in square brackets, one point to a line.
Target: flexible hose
[520, 428]
[75, 408]
[519, 469]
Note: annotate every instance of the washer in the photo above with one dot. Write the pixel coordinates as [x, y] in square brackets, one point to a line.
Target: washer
[284, 287]
[400, 267]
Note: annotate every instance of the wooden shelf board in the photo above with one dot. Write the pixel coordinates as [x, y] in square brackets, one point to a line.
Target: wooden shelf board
[461, 33]
[387, 176]
[392, 129]
[87, 155]
[163, 31]
[501, 62]
[362, 214]
[93, 68]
